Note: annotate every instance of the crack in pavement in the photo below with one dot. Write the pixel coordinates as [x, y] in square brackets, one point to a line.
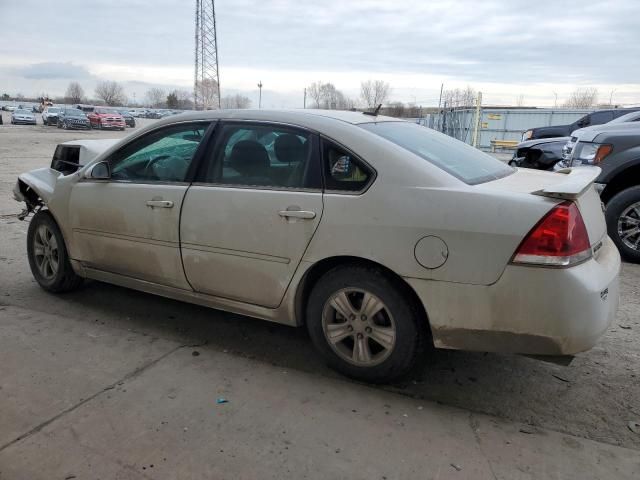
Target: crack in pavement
[473, 423]
[111, 386]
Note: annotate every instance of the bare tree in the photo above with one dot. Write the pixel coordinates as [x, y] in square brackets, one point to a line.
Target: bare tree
[315, 94]
[185, 99]
[458, 98]
[582, 98]
[395, 109]
[236, 101]
[111, 93]
[328, 97]
[207, 91]
[75, 93]
[520, 100]
[374, 92]
[156, 97]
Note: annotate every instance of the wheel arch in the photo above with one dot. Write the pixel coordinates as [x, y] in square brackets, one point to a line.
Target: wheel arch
[626, 178]
[318, 269]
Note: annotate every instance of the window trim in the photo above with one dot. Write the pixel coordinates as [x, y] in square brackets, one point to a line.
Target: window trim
[216, 143]
[374, 173]
[197, 156]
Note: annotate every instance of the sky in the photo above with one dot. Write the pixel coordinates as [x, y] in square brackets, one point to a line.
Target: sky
[540, 49]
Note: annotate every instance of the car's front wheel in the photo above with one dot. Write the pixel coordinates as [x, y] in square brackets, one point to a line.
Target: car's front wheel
[48, 257]
[364, 324]
[623, 222]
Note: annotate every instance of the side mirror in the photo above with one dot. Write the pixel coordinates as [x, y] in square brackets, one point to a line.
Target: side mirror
[100, 171]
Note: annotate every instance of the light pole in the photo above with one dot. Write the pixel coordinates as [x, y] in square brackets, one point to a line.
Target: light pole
[611, 96]
[260, 95]
[555, 101]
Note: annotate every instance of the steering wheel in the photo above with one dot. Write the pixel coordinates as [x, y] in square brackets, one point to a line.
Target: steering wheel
[152, 160]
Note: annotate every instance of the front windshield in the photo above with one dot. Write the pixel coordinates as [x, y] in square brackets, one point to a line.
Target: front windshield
[53, 110]
[73, 112]
[453, 156]
[23, 111]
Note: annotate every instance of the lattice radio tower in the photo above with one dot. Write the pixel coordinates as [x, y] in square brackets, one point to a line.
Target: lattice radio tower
[206, 85]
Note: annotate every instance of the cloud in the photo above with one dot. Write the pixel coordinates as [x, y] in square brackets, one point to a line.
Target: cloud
[508, 45]
[53, 70]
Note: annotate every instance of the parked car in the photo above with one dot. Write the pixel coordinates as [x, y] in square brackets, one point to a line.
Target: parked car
[23, 117]
[594, 118]
[616, 150]
[50, 115]
[11, 108]
[72, 118]
[568, 147]
[540, 154]
[545, 153]
[105, 118]
[153, 114]
[379, 235]
[128, 118]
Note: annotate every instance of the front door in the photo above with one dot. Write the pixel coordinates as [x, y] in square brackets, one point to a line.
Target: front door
[129, 224]
[247, 220]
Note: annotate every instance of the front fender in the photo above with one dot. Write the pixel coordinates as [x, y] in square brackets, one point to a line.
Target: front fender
[41, 182]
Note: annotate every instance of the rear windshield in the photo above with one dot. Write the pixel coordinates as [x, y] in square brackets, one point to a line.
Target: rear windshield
[453, 156]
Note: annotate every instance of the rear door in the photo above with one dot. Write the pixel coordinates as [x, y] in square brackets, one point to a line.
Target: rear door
[248, 219]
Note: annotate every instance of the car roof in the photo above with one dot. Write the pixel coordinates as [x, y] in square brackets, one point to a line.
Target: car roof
[302, 117]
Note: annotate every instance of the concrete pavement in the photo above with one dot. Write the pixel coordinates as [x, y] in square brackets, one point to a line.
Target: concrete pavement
[83, 400]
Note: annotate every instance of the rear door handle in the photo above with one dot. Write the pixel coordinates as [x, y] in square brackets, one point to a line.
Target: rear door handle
[160, 203]
[297, 214]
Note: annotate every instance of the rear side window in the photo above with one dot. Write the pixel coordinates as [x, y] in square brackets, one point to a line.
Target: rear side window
[342, 170]
[453, 156]
[598, 118]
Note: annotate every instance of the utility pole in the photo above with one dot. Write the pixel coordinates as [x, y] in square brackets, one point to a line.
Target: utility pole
[477, 122]
[207, 76]
[304, 102]
[260, 95]
[440, 112]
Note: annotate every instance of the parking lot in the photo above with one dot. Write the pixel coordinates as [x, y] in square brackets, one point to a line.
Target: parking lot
[129, 385]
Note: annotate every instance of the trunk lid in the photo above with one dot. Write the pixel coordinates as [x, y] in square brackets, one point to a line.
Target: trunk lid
[574, 184]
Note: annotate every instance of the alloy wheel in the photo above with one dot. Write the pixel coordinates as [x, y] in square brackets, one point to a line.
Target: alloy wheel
[629, 226]
[359, 327]
[45, 252]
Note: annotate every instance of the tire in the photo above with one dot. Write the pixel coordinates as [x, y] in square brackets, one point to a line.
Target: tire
[625, 204]
[59, 276]
[65, 126]
[399, 315]
[59, 125]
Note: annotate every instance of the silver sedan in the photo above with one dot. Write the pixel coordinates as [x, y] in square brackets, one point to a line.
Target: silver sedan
[382, 237]
[23, 117]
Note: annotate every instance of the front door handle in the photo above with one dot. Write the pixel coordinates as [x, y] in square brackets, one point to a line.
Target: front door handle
[160, 203]
[297, 214]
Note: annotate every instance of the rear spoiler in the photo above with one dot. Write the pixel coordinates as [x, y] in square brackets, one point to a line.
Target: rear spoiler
[577, 182]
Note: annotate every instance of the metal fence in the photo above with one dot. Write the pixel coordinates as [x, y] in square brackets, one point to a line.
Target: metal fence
[497, 123]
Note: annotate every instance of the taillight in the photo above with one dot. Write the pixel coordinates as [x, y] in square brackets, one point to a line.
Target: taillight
[560, 239]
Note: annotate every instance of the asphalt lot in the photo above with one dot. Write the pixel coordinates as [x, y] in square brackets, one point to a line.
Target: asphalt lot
[104, 383]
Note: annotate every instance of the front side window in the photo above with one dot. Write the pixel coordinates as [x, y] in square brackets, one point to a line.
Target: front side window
[264, 156]
[453, 156]
[162, 156]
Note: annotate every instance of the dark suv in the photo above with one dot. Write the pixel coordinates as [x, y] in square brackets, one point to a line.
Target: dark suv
[594, 118]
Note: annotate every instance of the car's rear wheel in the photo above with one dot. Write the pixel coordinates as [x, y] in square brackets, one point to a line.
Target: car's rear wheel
[364, 325]
[623, 222]
[48, 256]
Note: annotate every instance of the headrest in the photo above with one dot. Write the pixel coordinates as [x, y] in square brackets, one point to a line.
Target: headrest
[289, 148]
[249, 156]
